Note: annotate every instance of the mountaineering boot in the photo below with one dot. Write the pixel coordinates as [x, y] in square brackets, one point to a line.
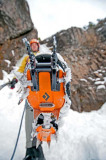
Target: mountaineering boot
[34, 153]
[40, 119]
[54, 124]
[40, 153]
[30, 154]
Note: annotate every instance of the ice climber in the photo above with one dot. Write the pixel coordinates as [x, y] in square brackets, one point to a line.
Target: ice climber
[31, 150]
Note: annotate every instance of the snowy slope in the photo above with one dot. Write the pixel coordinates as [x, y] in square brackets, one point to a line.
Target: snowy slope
[10, 115]
[82, 136]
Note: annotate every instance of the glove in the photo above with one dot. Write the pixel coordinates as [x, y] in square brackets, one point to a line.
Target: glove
[13, 82]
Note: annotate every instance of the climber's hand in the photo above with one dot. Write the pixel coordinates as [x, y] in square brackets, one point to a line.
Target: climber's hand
[13, 82]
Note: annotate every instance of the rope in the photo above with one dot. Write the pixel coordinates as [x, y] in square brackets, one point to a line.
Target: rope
[18, 134]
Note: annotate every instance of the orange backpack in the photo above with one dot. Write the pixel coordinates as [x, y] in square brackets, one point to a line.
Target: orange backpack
[47, 94]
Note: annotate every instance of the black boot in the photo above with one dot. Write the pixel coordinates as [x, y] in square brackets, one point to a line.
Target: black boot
[30, 155]
[34, 153]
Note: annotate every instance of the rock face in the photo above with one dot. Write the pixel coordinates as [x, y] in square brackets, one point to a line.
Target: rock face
[14, 19]
[15, 24]
[85, 53]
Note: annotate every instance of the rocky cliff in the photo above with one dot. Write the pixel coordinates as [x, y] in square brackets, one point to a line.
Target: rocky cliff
[15, 24]
[85, 52]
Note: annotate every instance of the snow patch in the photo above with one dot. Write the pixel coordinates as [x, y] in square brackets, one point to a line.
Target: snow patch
[99, 29]
[101, 87]
[97, 79]
[98, 71]
[83, 80]
[5, 75]
[44, 50]
[13, 53]
[100, 74]
[103, 71]
[104, 79]
[90, 78]
[99, 82]
[8, 62]
[102, 111]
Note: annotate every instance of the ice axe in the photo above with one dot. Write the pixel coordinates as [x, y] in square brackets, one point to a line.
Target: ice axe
[5, 84]
[12, 83]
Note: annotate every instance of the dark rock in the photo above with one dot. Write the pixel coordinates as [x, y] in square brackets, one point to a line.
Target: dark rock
[85, 53]
[15, 24]
[14, 19]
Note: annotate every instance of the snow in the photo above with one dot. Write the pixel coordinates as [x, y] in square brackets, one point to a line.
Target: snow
[99, 82]
[99, 29]
[81, 137]
[98, 71]
[101, 87]
[104, 79]
[100, 74]
[90, 78]
[103, 71]
[13, 53]
[44, 50]
[97, 79]
[82, 134]
[83, 80]
[8, 62]
[10, 114]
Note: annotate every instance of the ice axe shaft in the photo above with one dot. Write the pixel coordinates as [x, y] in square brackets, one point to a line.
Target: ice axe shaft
[5, 84]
